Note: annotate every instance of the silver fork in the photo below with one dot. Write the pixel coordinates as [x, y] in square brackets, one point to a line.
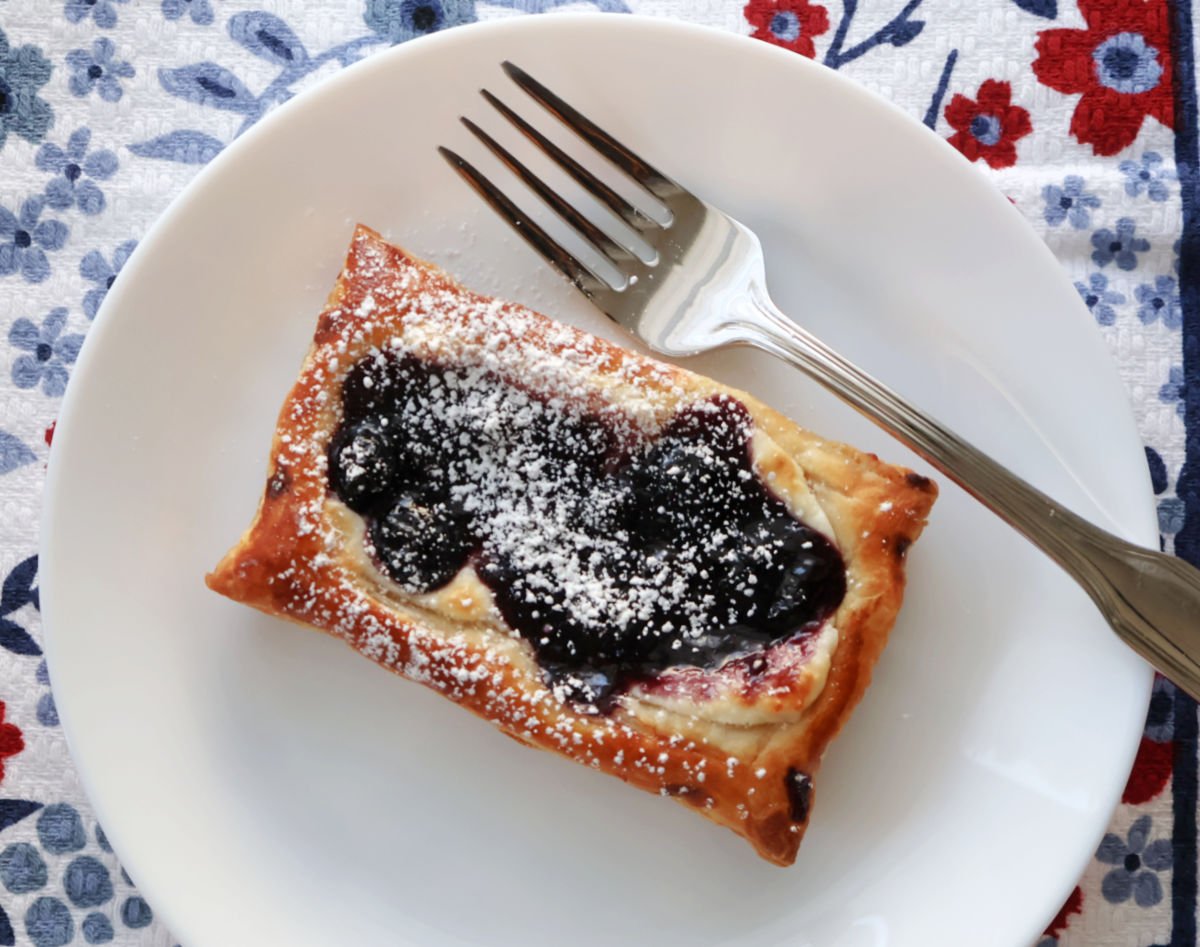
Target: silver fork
[706, 288]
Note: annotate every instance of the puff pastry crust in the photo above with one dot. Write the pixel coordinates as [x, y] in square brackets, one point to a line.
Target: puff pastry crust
[742, 749]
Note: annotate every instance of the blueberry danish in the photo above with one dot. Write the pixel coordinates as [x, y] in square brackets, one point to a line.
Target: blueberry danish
[608, 557]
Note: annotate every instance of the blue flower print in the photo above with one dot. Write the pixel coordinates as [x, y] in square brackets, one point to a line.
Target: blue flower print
[1127, 64]
[1160, 718]
[47, 711]
[23, 71]
[97, 929]
[76, 172]
[84, 896]
[25, 239]
[103, 273]
[1069, 202]
[22, 868]
[1100, 299]
[1160, 301]
[135, 912]
[48, 923]
[1160, 479]
[1137, 865]
[102, 11]
[1172, 514]
[1175, 390]
[199, 10]
[87, 882]
[60, 829]
[1122, 246]
[1148, 175]
[47, 353]
[398, 20]
[98, 70]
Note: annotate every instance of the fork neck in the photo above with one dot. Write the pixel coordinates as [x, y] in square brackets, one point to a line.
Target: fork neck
[1054, 528]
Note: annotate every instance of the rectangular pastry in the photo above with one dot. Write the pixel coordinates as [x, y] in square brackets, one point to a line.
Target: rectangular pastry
[610, 558]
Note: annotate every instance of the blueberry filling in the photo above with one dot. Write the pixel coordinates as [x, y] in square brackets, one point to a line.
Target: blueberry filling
[614, 554]
[363, 465]
[799, 789]
[421, 540]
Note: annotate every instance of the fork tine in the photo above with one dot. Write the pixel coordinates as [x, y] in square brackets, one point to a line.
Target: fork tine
[557, 256]
[601, 242]
[581, 175]
[636, 167]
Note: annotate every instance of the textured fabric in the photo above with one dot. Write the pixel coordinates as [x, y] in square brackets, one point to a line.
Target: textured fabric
[1083, 112]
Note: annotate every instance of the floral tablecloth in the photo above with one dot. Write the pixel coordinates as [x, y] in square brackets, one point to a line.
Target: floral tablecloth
[1083, 112]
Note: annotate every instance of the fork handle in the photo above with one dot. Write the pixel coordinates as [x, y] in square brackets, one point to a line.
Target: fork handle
[1150, 599]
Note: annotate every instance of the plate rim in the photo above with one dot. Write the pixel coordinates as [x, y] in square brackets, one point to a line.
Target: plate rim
[89, 357]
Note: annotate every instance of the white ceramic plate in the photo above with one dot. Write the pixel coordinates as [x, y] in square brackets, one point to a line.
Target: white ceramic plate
[265, 785]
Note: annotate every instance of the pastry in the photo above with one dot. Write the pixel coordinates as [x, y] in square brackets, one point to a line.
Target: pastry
[608, 557]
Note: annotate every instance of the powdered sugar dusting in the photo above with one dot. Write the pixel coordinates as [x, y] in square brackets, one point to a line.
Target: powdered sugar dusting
[542, 446]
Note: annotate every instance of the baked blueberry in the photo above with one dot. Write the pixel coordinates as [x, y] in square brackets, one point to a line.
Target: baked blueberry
[594, 686]
[421, 541]
[683, 487]
[363, 467]
[812, 582]
[799, 789]
[578, 446]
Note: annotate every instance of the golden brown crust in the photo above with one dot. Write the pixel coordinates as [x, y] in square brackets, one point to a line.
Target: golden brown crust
[735, 764]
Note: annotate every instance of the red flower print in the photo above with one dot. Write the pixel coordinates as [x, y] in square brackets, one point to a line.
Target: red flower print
[11, 741]
[1122, 65]
[791, 24]
[990, 126]
[1151, 772]
[1156, 755]
[1073, 906]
